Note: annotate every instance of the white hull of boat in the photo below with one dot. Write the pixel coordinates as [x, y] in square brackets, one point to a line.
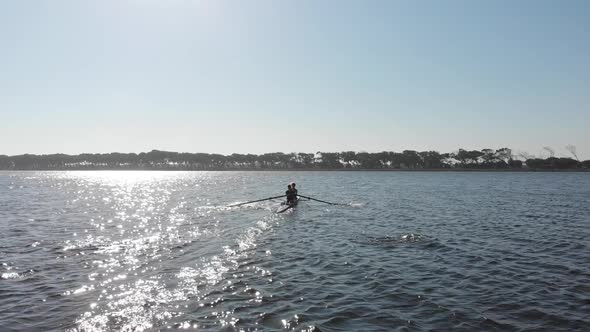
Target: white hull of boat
[286, 207]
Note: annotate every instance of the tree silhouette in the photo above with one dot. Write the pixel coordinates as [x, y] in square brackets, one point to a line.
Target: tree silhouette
[572, 150]
[407, 159]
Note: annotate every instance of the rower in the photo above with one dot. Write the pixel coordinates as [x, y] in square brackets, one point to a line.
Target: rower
[291, 195]
[293, 188]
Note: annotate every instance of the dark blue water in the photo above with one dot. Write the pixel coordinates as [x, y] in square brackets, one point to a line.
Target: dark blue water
[413, 251]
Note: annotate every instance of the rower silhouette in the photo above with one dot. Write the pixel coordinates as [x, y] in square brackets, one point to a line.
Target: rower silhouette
[291, 194]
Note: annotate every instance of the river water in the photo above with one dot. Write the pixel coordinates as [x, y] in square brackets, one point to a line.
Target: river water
[412, 251]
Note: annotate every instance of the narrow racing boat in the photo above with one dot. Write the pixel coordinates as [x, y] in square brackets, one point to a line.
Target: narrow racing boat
[287, 206]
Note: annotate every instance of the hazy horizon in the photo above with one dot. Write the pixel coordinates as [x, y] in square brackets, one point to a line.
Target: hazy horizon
[293, 76]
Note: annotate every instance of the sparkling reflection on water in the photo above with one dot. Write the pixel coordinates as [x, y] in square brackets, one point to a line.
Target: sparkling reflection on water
[132, 251]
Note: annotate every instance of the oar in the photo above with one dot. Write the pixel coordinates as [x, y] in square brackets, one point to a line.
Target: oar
[319, 200]
[258, 200]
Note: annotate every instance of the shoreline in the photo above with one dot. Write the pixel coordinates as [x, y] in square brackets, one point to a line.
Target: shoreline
[526, 170]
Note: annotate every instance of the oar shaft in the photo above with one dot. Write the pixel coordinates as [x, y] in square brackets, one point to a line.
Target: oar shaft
[319, 200]
[258, 200]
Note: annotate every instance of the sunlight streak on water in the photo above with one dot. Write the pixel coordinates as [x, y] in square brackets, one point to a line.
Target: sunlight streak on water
[138, 223]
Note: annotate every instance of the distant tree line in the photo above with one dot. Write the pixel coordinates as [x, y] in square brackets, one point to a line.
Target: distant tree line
[408, 159]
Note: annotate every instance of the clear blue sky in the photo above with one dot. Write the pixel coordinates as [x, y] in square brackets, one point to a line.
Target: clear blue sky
[264, 76]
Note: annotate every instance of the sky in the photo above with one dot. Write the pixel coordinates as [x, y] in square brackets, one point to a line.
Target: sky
[294, 76]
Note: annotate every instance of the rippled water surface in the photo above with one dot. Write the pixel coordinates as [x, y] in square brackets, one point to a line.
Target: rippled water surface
[149, 251]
